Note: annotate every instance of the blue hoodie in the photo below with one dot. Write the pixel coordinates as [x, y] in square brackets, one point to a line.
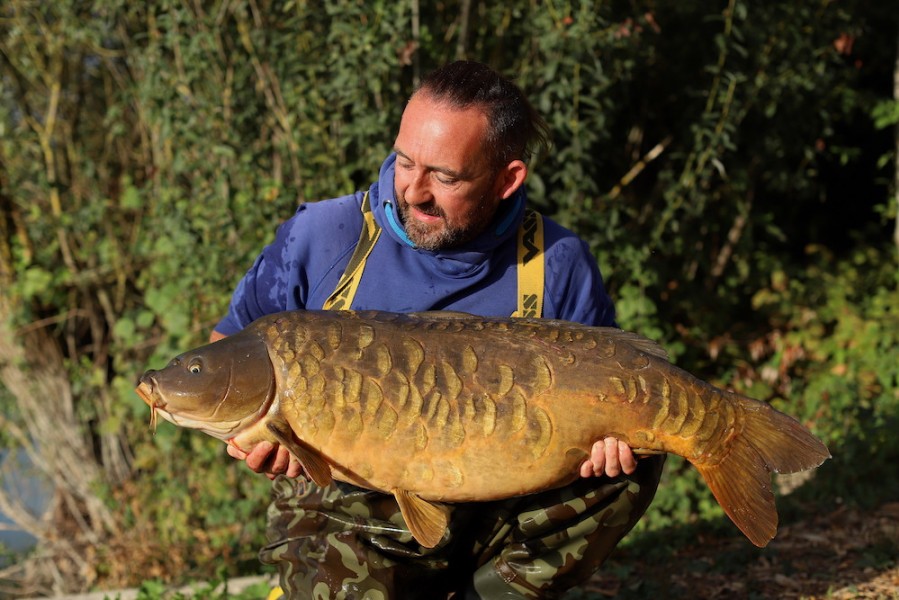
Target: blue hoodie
[301, 268]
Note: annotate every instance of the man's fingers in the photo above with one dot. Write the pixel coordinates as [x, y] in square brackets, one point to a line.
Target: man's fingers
[235, 452]
[281, 461]
[613, 462]
[295, 469]
[597, 463]
[626, 458]
[586, 468]
[259, 456]
[268, 458]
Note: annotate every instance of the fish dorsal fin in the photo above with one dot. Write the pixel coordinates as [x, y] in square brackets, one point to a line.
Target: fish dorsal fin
[442, 314]
[643, 344]
[426, 520]
[636, 340]
[314, 464]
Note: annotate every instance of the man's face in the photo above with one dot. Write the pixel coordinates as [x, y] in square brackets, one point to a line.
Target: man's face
[446, 189]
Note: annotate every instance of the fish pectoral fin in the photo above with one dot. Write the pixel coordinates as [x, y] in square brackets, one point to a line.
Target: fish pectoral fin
[314, 464]
[426, 520]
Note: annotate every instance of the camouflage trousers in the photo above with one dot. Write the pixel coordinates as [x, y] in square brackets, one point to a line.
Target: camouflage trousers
[343, 542]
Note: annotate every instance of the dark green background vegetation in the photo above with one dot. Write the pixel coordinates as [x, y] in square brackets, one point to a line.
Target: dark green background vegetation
[732, 165]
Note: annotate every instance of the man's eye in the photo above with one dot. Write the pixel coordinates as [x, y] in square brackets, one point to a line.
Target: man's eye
[447, 180]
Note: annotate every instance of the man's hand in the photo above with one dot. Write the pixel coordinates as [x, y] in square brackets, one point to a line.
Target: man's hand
[268, 458]
[611, 457]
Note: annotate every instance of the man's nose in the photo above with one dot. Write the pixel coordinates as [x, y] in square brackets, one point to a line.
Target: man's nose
[419, 190]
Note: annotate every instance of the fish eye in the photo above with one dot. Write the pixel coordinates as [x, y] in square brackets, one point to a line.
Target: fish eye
[195, 366]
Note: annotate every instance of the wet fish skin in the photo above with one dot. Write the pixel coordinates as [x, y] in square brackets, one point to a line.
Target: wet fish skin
[445, 407]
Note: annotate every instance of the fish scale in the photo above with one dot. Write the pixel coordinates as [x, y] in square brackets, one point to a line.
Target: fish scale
[442, 407]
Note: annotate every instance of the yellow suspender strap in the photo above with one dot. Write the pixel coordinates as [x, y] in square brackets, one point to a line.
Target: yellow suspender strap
[530, 266]
[342, 296]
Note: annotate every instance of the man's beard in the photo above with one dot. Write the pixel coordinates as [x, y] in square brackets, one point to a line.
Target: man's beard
[445, 235]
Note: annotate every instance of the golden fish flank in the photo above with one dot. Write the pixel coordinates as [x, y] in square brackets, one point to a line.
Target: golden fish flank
[441, 407]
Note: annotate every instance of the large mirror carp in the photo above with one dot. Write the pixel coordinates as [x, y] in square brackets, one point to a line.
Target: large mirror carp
[447, 407]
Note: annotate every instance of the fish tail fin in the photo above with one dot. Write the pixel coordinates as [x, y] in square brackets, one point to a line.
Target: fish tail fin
[767, 441]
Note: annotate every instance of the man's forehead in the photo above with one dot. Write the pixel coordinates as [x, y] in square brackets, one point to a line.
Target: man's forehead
[425, 108]
[440, 136]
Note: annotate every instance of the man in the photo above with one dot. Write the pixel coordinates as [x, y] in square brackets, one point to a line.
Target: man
[439, 230]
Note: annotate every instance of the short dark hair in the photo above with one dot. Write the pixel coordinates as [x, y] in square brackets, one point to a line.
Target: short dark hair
[514, 130]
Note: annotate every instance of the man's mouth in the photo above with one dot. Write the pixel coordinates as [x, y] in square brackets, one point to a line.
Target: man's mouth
[427, 214]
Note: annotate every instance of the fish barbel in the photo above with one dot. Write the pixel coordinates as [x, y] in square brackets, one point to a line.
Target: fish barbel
[447, 407]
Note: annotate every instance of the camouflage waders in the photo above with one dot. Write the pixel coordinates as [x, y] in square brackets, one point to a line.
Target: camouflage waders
[345, 542]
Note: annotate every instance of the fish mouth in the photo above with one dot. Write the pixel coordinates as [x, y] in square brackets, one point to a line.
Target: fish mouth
[146, 389]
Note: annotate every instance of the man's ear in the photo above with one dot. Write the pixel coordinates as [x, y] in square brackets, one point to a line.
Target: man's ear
[510, 178]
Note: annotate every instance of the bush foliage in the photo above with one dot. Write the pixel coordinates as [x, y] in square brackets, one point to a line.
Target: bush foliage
[731, 165]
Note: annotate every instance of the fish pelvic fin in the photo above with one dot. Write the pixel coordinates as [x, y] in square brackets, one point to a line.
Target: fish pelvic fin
[769, 442]
[314, 464]
[426, 520]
